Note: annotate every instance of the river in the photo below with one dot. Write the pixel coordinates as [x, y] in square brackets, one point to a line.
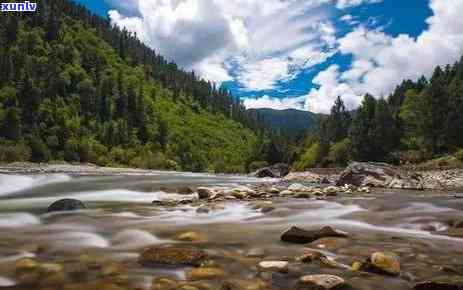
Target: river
[121, 220]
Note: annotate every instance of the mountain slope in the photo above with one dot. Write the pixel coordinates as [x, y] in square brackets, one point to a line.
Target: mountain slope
[288, 122]
[74, 88]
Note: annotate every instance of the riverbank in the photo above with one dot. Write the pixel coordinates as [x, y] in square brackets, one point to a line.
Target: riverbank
[83, 169]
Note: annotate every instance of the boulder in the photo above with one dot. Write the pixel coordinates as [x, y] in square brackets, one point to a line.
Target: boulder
[380, 263]
[279, 170]
[441, 283]
[172, 256]
[378, 175]
[204, 192]
[320, 282]
[386, 262]
[299, 236]
[66, 205]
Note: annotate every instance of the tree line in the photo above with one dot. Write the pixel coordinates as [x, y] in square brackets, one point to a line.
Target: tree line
[73, 87]
[419, 121]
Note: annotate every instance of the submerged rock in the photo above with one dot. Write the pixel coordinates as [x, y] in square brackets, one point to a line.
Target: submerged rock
[441, 283]
[320, 282]
[379, 175]
[264, 207]
[204, 192]
[205, 274]
[66, 204]
[299, 236]
[172, 256]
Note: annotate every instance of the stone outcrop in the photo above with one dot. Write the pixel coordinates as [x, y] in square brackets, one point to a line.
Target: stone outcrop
[379, 175]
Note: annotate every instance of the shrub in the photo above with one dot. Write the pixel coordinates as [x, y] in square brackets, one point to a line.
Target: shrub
[459, 155]
[71, 150]
[310, 158]
[254, 166]
[39, 150]
[340, 153]
[14, 151]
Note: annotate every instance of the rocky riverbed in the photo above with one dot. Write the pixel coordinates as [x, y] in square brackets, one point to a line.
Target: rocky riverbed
[164, 231]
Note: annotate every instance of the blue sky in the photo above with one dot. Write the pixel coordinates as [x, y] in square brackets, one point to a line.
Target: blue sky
[297, 53]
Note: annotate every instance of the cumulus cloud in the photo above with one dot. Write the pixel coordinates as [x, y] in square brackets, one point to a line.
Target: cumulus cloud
[262, 40]
[274, 103]
[342, 4]
[381, 61]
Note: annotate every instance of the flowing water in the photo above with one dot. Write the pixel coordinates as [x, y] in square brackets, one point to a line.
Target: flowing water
[120, 221]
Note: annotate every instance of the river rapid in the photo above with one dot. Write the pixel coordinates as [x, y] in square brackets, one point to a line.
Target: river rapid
[121, 221]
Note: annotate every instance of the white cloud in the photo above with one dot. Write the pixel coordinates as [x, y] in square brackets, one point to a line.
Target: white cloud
[342, 4]
[382, 61]
[274, 103]
[257, 37]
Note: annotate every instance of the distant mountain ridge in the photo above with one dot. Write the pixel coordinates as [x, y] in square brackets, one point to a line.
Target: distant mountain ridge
[289, 122]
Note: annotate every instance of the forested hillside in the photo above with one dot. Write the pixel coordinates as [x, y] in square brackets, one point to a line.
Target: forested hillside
[421, 120]
[74, 88]
[290, 123]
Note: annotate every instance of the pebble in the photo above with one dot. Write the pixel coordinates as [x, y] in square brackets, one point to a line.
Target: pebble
[319, 282]
[279, 266]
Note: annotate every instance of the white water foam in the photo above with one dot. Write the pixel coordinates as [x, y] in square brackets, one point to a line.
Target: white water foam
[234, 212]
[74, 241]
[131, 239]
[116, 195]
[13, 183]
[15, 220]
[5, 282]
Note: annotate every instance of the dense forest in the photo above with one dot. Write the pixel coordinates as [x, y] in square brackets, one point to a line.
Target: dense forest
[419, 121]
[75, 88]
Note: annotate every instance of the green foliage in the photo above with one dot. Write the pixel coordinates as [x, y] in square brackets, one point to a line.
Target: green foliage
[254, 166]
[419, 121]
[81, 90]
[13, 151]
[459, 155]
[340, 153]
[310, 158]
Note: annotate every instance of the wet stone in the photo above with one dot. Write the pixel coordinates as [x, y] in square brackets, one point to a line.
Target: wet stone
[279, 266]
[205, 274]
[300, 236]
[66, 205]
[320, 282]
[172, 256]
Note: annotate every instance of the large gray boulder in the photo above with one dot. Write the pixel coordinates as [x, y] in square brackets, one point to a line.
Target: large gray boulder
[279, 170]
[379, 175]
